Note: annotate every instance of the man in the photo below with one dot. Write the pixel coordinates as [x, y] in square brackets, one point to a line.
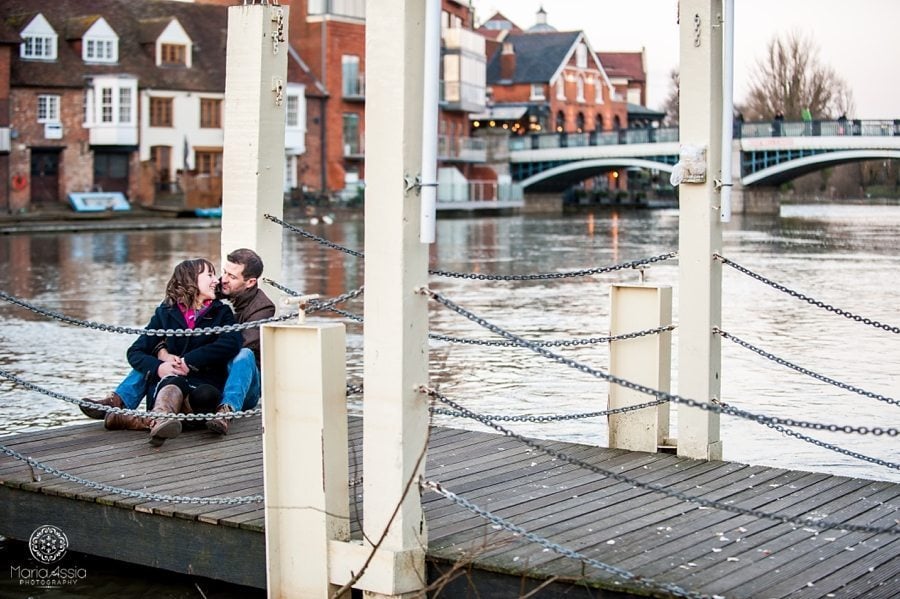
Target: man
[239, 285]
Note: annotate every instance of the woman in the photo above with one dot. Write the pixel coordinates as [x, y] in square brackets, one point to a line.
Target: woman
[191, 376]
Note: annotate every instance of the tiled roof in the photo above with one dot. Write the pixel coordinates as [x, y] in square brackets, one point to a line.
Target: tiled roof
[8, 35]
[131, 20]
[538, 56]
[629, 65]
[76, 27]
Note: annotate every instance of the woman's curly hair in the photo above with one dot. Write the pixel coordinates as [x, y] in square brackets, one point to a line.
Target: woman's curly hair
[182, 287]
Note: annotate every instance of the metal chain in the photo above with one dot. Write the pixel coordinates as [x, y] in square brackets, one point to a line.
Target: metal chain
[315, 238]
[803, 370]
[499, 522]
[552, 418]
[554, 275]
[555, 343]
[664, 490]
[128, 492]
[354, 389]
[807, 299]
[138, 331]
[692, 403]
[315, 306]
[835, 448]
[103, 408]
[497, 343]
[480, 276]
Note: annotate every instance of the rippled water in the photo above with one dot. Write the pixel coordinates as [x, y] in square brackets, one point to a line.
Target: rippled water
[846, 256]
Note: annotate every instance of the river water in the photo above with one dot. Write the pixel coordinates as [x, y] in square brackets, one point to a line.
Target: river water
[844, 255]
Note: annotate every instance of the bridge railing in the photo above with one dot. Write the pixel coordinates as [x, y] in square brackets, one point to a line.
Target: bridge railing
[818, 128]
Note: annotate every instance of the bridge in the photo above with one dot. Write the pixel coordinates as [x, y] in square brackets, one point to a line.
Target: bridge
[765, 153]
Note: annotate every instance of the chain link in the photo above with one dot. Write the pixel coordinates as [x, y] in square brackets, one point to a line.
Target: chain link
[692, 403]
[832, 447]
[664, 490]
[103, 408]
[803, 370]
[481, 276]
[805, 298]
[555, 275]
[497, 521]
[498, 343]
[128, 492]
[552, 417]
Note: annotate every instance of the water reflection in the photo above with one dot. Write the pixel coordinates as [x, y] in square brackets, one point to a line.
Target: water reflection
[839, 254]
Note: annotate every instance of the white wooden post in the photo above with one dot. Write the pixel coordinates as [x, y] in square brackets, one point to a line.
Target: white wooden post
[396, 330]
[700, 231]
[645, 360]
[304, 455]
[253, 160]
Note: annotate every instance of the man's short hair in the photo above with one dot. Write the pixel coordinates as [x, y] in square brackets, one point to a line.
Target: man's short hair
[250, 260]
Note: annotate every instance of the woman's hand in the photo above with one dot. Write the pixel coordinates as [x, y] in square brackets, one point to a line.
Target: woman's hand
[173, 366]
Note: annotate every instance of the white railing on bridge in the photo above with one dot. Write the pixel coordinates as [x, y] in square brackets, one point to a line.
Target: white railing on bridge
[479, 191]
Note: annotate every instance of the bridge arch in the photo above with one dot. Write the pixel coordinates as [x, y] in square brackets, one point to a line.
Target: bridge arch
[592, 164]
[785, 171]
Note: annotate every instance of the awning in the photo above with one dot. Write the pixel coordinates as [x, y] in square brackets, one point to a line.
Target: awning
[500, 113]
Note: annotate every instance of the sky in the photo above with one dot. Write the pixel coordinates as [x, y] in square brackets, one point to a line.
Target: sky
[859, 39]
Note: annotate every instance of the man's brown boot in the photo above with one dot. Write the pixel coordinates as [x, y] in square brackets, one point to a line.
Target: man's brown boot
[112, 400]
[220, 425]
[168, 401]
[124, 422]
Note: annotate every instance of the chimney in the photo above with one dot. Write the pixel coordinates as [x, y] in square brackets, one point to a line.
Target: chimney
[507, 61]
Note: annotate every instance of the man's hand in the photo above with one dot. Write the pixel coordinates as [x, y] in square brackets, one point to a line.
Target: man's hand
[171, 366]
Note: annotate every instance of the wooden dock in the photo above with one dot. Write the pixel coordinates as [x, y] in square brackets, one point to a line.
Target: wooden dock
[701, 550]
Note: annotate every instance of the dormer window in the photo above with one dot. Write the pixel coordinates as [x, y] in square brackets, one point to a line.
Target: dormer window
[39, 40]
[100, 43]
[173, 54]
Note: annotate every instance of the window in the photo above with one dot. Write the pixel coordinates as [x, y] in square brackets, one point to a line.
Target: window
[581, 56]
[351, 134]
[292, 111]
[125, 105]
[173, 54]
[99, 51]
[561, 88]
[106, 105]
[598, 92]
[48, 109]
[209, 162]
[352, 81]
[537, 91]
[210, 113]
[579, 89]
[160, 112]
[39, 46]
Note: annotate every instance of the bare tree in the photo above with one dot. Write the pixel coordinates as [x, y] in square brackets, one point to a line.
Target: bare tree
[671, 104]
[791, 78]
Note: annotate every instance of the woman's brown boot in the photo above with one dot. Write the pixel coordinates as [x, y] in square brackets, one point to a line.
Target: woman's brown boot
[168, 401]
[124, 422]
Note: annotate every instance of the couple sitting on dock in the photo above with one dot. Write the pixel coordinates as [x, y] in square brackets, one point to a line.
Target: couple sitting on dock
[197, 373]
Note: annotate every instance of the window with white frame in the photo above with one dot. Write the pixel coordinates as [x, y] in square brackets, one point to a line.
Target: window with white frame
[126, 105]
[39, 46]
[99, 50]
[598, 92]
[292, 111]
[537, 91]
[561, 88]
[110, 101]
[48, 109]
[581, 56]
[579, 89]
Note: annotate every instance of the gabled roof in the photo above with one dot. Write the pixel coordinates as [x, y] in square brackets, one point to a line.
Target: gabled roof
[538, 56]
[502, 27]
[629, 65]
[132, 20]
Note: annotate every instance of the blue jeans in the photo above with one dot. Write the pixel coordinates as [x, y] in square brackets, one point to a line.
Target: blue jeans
[242, 389]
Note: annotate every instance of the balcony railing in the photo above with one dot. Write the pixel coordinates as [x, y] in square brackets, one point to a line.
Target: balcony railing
[354, 148]
[354, 88]
[467, 97]
[479, 191]
[462, 149]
